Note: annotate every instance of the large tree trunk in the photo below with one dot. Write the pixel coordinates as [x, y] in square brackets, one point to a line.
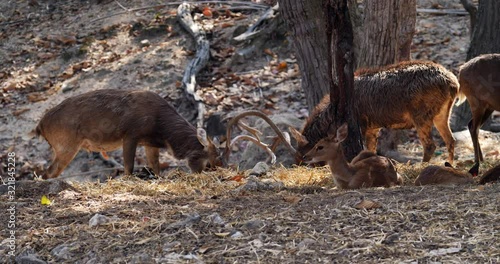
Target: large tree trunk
[306, 21]
[314, 34]
[339, 36]
[486, 33]
[485, 38]
[387, 31]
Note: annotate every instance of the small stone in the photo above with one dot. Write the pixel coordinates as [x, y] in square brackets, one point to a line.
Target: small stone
[98, 219]
[254, 224]
[237, 235]
[62, 251]
[145, 43]
[260, 169]
[306, 243]
[215, 218]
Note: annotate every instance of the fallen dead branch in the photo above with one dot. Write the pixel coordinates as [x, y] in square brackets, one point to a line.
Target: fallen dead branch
[245, 5]
[263, 26]
[199, 61]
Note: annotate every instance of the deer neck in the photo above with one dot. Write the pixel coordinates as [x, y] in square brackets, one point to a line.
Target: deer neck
[339, 166]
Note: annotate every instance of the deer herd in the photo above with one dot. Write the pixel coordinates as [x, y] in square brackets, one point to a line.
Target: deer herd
[414, 94]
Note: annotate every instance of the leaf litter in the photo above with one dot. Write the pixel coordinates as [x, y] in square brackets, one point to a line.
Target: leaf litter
[296, 216]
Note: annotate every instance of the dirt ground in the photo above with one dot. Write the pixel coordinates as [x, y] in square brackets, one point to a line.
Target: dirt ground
[51, 50]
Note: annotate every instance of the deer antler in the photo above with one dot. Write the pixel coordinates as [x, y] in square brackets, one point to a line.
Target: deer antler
[281, 137]
[258, 143]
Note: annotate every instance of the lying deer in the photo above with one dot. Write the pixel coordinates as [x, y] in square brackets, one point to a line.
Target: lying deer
[105, 120]
[491, 175]
[446, 175]
[366, 169]
[480, 82]
[400, 96]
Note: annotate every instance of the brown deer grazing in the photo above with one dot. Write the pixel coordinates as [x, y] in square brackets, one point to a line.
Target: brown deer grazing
[366, 169]
[480, 82]
[106, 120]
[446, 175]
[400, 96]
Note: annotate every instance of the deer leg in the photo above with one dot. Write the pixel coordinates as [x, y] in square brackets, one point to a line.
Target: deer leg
[442, 124]
[479, 116]
[153, 155]
[129, 147]
[63, 155]
[360, 180]
[371, 139]
[425, 136]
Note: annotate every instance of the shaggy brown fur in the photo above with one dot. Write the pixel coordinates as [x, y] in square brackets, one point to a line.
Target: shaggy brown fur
[480, 82]
[400, 96]
[106, 120]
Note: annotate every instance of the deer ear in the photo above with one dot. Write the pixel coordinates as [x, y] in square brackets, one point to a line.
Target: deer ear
[301, 140]
[202, 137]
[342, 133]
[474, 171]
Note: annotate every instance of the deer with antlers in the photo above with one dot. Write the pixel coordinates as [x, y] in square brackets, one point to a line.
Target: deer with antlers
[105, 120]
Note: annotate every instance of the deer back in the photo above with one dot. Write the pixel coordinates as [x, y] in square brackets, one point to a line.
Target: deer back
[480, 81]
[107, 116]
[376, 171]
[442, 175]
[491, 175]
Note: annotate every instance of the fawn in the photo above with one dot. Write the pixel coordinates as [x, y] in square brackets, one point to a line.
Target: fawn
[107, 119]
[446, 175]
[366, 169]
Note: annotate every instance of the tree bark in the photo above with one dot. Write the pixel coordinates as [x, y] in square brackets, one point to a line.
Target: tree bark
[472, 10]
[305, 20]
[387, 32]
[339, 34]
[485, 39]
[318, 51]
[486, 33]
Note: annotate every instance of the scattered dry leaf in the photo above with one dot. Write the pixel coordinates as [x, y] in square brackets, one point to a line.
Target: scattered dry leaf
[36, 97]
[20, 111]
[367, 204]
[67, 40]
[225, 234]
[237, 178]
[282, 66]
[293, 199]
[45, 55]
[227, 24]
[207, 12]
[268, 52]
[10, 86]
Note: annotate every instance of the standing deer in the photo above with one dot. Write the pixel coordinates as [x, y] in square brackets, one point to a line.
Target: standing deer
[480, 82]
[366, 169]
[399, 96]
[446, 175]
[105, 120]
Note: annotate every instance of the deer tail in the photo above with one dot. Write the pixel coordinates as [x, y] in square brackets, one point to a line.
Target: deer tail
[461, 98]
